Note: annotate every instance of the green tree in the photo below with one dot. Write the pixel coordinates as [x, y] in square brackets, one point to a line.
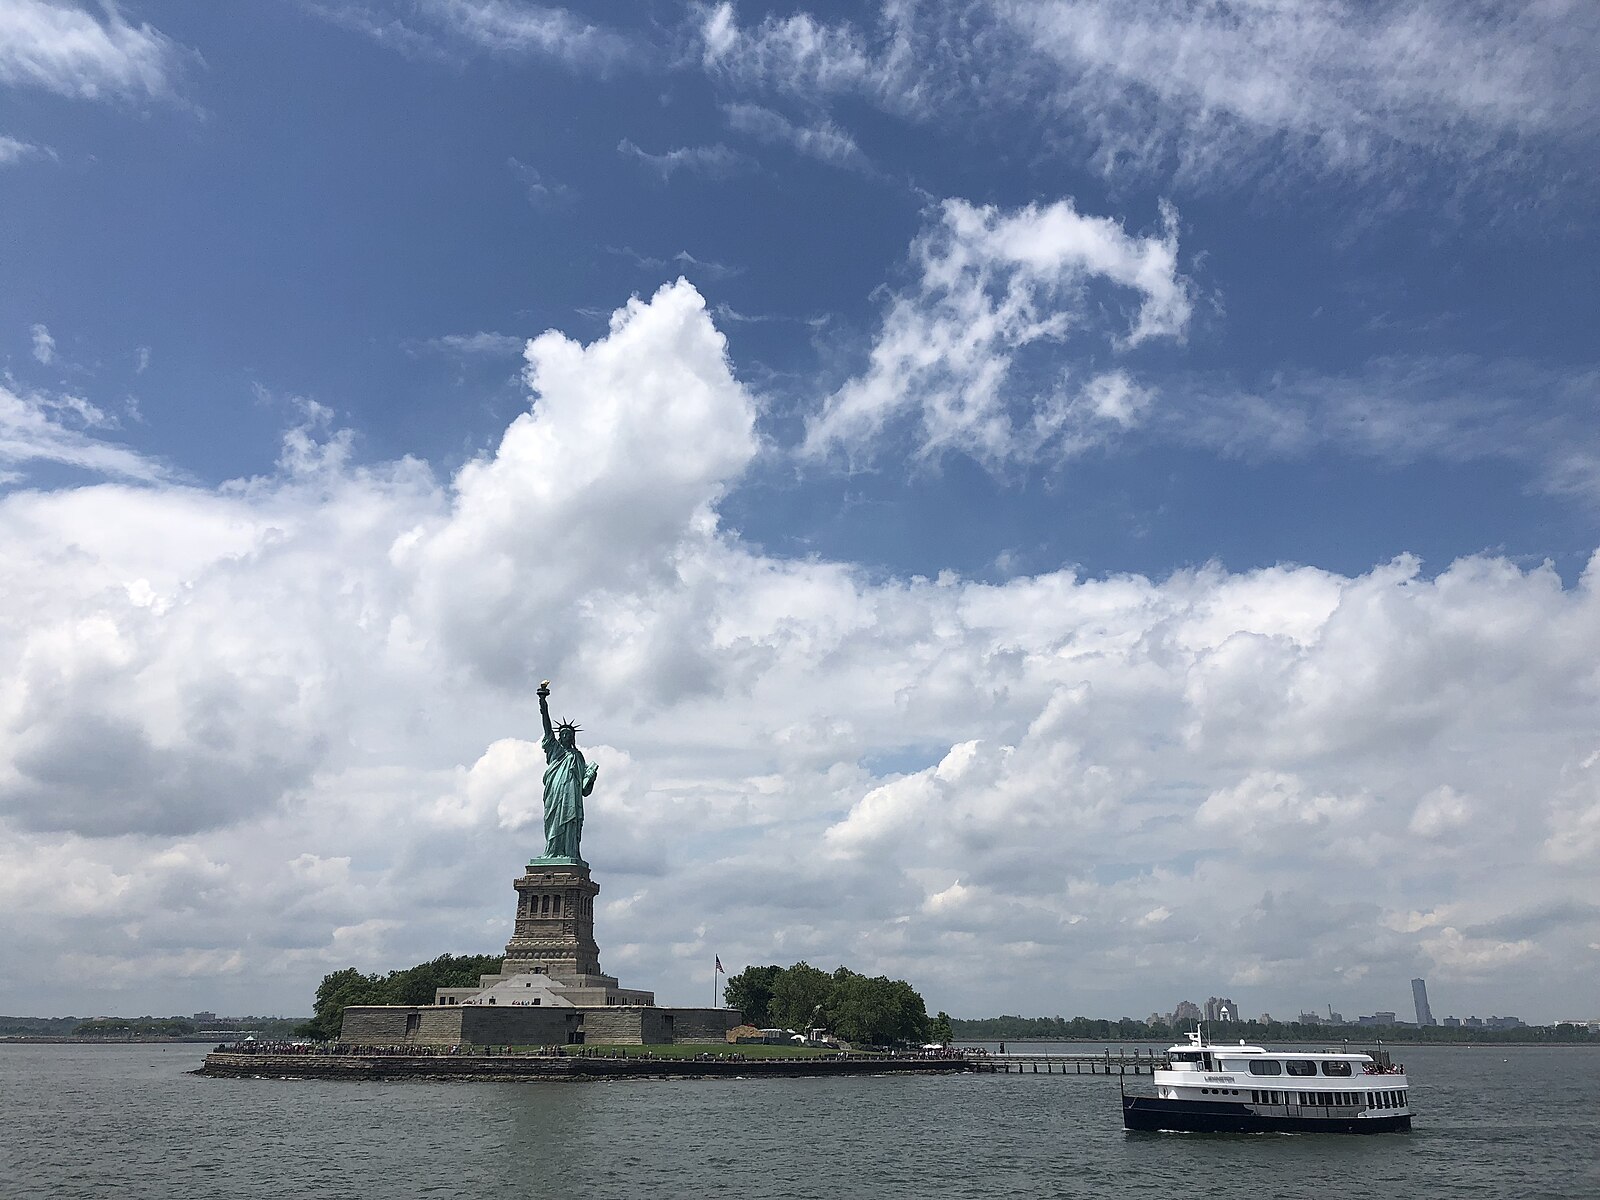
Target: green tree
[939, 1029]
[416, 985]
[750, 991]
[877, 1011]
[413, 985]
[336, 990]
[797, 994]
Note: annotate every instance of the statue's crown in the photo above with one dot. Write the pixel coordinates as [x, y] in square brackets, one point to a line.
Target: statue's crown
[568, 726]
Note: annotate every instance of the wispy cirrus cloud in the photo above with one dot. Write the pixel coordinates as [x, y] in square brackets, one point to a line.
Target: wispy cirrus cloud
[450, 28]
[1401, 409]
[823, 141]
[383, 25]
[529, 29]
[74, 51]
[482, 343]
[1351, 87]
[1213, 94]
[717, 161]
[14, 151]
[805, 57]
[681, 261]
[39, 426]
[44, 344]
[541, 190]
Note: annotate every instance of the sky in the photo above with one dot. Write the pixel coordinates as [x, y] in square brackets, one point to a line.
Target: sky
[1079, 504]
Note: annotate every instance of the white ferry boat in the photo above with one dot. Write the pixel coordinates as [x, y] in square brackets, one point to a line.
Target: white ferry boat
[1216, 1088]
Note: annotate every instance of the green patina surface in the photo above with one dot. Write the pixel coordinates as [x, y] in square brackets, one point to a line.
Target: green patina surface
[568, 779]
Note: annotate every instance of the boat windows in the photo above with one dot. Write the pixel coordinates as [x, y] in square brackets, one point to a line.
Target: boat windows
[1265, 1066]
[1335, 1067]
[1184, 1057]
[1301, 1066]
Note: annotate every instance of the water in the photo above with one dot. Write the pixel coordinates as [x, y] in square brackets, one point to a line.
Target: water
[115, 1122]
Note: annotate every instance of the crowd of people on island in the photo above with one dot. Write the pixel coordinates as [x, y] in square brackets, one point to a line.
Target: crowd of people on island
[352, 1049]
[252, 1046]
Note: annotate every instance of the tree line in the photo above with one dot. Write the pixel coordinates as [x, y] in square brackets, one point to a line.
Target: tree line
[1127, 1029]
[875, 1010]
[413, 985]
[127, 1027]
[866, 1010]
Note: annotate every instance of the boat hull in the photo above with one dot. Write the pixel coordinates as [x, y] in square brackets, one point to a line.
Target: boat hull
[1201, 1116]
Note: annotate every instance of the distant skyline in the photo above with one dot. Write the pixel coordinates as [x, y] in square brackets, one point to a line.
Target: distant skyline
[1060, 503]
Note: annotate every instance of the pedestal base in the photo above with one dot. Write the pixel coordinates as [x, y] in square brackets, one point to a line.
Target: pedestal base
[554, 934]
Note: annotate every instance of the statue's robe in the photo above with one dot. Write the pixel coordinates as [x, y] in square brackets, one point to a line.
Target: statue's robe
[567, 780]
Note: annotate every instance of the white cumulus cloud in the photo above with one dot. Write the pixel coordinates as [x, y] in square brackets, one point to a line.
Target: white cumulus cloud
[286, 725]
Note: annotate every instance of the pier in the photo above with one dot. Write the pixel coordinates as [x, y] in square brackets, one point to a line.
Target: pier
[1118, 1062]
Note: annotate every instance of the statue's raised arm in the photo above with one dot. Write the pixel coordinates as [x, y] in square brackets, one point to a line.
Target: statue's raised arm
[544, 709]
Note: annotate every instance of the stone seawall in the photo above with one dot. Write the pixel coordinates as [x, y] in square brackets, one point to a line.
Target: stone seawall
[536, 1067]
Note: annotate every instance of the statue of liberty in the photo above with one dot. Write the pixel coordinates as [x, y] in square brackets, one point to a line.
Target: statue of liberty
[568, 778]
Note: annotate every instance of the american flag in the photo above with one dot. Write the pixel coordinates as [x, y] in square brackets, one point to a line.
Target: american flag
[720, 971]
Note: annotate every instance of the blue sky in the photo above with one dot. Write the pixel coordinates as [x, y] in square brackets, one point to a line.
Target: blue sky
[1200, 370]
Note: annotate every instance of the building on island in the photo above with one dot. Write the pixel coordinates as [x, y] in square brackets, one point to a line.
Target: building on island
[550, 990]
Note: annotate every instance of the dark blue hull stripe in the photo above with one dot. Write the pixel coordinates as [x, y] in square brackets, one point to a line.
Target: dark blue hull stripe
[1204, 1116]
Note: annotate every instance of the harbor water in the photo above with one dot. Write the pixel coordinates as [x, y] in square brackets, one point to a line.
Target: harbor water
[130, 1123]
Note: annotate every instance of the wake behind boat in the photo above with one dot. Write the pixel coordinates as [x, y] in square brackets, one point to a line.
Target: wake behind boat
[1212, 1088]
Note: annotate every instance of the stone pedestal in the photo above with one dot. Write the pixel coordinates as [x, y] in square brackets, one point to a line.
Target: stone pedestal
[554, 933]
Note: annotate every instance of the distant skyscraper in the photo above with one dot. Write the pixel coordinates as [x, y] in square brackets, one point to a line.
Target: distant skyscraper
[1419, 993]
[1186, 1012]
[1219, 1008]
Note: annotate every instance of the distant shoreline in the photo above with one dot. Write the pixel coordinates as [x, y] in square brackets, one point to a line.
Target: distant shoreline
[1463, 1044]
[66, 1039]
